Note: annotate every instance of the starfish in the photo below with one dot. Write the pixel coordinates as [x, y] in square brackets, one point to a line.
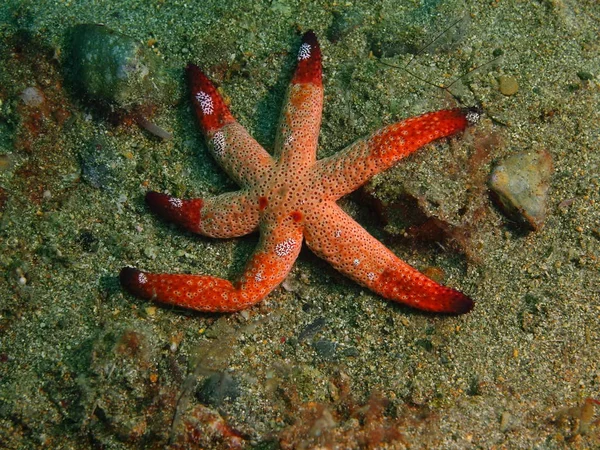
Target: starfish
[290, 196]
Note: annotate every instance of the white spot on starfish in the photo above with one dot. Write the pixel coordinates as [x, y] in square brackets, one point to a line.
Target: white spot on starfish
[259, 277]
[175, 202]
[206, 103]
[219, 143]
[285, 248]
[337, 233]
[289, 139]
[356, 262]
[142, 278]
[304, 52]
[371, 276]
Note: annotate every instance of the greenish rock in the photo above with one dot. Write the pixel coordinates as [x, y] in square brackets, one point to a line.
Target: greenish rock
[520, 183]
[585, 76]
[114, 69]
[325, 348]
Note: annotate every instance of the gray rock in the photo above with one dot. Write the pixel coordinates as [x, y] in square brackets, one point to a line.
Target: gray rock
[219, 388]
[102, 166]
[520, 183]
[325, 349]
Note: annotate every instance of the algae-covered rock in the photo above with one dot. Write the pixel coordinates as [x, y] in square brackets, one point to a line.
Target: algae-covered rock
[520, 185]
[113, 68]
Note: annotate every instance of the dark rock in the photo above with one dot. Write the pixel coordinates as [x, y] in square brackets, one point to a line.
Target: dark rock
[219, 388]
[101, 164]
[350, 352]
[312, 328]
[325, 349]
[88, 241]
[585, 76]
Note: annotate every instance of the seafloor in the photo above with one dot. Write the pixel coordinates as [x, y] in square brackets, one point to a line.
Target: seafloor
[321, 362]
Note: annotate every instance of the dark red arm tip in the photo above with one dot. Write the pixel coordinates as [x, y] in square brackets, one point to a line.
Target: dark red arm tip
[460, 304]
[309, 61]
[131, 281]
[182, 212]
[211, 111]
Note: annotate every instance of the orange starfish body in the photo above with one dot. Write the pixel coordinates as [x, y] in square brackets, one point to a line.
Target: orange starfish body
[290, 196]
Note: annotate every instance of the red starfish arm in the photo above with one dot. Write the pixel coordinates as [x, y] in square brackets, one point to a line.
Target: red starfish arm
[244, 160]
[268, 266]
[349, 169]
[225, 216]
[296, 141]
[337, 238]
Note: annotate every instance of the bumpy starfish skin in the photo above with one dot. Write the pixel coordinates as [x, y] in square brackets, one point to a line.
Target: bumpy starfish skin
[290, 196]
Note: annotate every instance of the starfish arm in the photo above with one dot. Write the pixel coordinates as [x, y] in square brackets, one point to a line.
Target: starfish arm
[269, 265]
[296, 141]
[238, 153]
[337, 238]
[349, 169]
[228, 215]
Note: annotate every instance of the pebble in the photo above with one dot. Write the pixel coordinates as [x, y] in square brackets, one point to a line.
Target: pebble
[585, 76]
[505, 421]
[218, 388]
[508, 85]
[520, 184]
[32, 96]
[325, 348]
[310, 330]
[101, 164]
